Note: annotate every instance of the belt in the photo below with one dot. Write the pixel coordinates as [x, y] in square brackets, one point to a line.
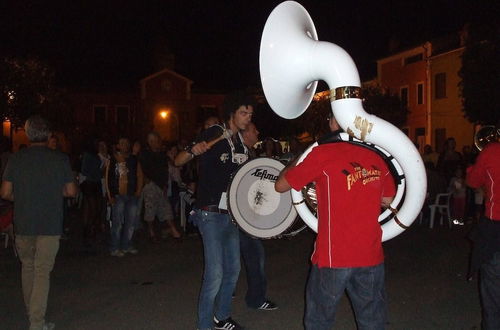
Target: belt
[213, 208]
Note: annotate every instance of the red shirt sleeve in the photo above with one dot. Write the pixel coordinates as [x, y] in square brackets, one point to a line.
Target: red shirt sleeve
[476, 174]
[306, 171]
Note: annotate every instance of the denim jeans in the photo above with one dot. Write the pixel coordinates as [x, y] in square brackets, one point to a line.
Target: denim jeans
[364, 286]
[222, 266]
[253, 255]
[123, 221]
[490, 292]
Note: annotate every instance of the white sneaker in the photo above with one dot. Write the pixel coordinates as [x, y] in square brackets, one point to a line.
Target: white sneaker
[131, 250]
[117, 253]
[48, 326]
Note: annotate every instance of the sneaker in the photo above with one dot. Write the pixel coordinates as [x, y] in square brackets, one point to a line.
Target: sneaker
[268, 306]
[131, 250]
[117, 253]
[48, 326]
[227, 324]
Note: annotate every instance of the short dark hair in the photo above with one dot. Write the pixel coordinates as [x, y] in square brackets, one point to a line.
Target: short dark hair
[235, 100]
[37, 129]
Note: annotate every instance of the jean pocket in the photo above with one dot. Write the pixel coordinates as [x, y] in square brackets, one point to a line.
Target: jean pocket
[194, 217]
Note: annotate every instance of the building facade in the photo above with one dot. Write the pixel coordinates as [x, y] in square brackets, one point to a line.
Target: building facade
[170, 106]
[426, 79]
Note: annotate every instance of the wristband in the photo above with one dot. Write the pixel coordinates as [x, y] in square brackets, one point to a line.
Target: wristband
[189, 151]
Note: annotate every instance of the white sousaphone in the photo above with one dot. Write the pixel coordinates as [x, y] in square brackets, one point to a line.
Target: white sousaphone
[292, 60]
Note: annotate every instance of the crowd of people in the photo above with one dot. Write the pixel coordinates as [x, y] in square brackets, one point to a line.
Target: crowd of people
[118, 187]
[446, 173]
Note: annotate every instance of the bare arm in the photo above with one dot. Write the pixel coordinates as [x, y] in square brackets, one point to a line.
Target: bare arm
[6, 191]
[140, 180]
[386, 201]
[70, 189]
[281, 185]
[183, 157]
[106, 182]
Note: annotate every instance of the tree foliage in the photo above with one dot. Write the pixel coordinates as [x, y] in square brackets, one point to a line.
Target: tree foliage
[26, 88]
[480, 73]
[385, 105]
[314, 120]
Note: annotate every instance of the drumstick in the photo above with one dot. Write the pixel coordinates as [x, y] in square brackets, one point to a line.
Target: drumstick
[226, 134]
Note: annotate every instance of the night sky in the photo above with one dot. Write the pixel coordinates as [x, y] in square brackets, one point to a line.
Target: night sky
[113, 44]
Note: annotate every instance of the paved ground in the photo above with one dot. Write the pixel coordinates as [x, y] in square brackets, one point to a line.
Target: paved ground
[158, 288]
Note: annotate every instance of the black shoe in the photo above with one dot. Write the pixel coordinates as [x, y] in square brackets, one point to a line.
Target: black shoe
[268, 306]
[227, 324]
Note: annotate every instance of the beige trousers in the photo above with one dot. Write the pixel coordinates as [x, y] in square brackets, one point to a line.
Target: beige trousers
[37, 254]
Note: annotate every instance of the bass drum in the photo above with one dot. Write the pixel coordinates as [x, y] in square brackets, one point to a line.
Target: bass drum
[253, 203]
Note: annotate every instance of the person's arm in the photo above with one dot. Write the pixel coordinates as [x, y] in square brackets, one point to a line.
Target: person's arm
[386, 201]
[6, 191]
[184, 156]
[70, 189]
[140, 180]
[281, 185]
[476, 174]
[106, 182]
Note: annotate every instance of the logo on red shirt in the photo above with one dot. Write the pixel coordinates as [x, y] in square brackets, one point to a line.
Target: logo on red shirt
[361, 174]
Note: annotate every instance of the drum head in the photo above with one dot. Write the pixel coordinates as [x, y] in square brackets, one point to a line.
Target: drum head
[253, 203]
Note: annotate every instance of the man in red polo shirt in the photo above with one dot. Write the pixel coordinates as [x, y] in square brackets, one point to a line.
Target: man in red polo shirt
[351, 184]
[485, 174]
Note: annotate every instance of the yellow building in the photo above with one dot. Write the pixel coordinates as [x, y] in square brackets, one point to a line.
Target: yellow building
[447, 118]
[426, 78]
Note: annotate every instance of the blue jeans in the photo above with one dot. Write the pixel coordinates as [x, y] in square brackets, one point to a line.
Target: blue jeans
[490, 292]
[123, 221]
[253, 255]
[364, 286]
[222, 266]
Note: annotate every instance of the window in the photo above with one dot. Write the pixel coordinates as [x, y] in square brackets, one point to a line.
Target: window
[420, 93]
[122, 115]
[413, 59]
[404, 96]
[99, 114]
[440, 85]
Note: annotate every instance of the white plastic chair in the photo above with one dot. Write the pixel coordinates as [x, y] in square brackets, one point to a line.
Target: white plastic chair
[441, 204]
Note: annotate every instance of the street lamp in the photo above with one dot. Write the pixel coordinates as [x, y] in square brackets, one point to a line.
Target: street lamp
[165, 114]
